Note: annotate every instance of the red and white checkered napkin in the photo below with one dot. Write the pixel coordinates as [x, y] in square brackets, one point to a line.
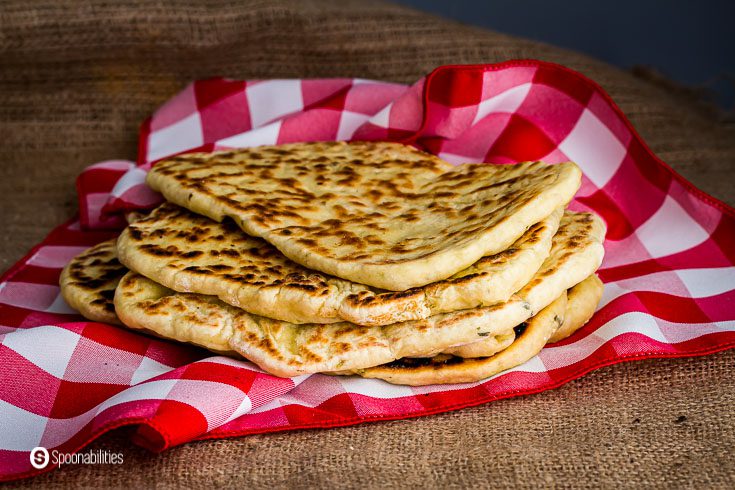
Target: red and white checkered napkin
[669, 269]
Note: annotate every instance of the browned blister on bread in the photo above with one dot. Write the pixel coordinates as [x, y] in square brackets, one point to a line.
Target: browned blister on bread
[89, 280]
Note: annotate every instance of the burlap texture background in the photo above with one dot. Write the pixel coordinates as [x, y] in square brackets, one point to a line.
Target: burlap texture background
[76, 79]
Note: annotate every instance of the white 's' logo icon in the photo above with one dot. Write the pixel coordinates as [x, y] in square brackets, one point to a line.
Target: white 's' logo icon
[39, 457]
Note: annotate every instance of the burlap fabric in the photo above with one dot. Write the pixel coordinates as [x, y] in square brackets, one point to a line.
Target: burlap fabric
[76, 80]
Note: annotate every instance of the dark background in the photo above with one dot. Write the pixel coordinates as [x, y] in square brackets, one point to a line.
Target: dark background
[692, 43]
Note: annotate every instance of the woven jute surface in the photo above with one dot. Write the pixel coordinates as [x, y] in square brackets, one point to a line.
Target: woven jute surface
[77, 78]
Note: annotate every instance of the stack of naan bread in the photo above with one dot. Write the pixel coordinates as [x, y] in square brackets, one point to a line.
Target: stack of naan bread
[373, 259]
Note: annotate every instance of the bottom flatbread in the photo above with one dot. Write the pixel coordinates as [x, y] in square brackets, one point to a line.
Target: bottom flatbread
[446, 368]
[566, 314]
[581, 305]
[89, 280]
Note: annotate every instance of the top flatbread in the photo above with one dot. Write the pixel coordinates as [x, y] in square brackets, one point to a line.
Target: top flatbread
[190, 253]
[381, 214]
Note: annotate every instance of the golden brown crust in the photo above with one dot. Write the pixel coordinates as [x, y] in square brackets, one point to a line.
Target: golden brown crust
[144, 305]
[556, 322]
[287, 349]
[576, 252]
[583, 301]
[190, 253]
[89, 280]
[446, 368]
[381, 214]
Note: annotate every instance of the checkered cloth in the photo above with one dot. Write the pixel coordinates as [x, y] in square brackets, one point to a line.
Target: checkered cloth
[669, 269]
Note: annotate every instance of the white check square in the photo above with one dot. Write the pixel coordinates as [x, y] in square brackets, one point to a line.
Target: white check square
[593, 147]
[273, 99]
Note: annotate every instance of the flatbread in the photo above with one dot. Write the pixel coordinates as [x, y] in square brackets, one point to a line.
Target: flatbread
[485, 347]
[563, 317]
[573, 237]
[89, 280]
[287, 349]
[197, 319]
[187, 252]
[381, 214]
[583, 301]
[446, 368]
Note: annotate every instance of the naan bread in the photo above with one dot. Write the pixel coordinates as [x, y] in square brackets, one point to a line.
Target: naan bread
[446, 368]
[576, 253]
[574, 231]
[88, 282]
[193, 318]
[557, 321]
[583, 301]
[381, 214]
[485, 347]
[191, 253]
[287, 349]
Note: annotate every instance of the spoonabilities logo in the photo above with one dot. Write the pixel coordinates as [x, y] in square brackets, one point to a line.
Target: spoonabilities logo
[39, 457]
